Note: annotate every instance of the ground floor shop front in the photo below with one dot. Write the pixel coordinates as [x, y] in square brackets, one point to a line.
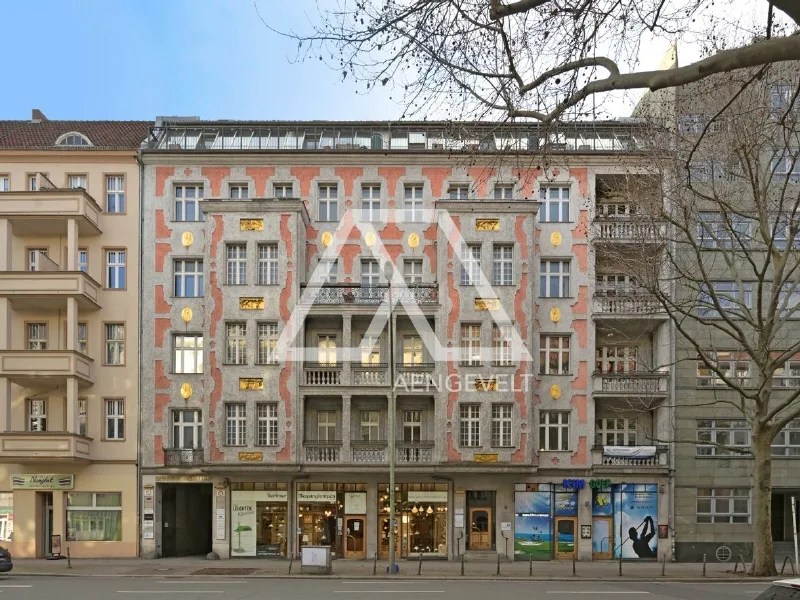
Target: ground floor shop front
[436, 517]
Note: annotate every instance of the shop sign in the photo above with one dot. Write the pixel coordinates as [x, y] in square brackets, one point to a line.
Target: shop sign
[355, 503]
[574, 484]
[600, 485]
[251, 456]
[43, 482]
[183, 478]
[321, 496]
[422, 496]
[637, 512]
[485, 458]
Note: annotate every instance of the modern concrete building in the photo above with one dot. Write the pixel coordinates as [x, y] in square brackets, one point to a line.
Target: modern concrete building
[522, 367]
[69, 247]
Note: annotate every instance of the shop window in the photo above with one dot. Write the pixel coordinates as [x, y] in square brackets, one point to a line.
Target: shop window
[258, 519]
[6, 516]
[94, 517]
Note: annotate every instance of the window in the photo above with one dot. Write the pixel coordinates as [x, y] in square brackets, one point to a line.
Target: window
[735, 301]
[413, 203]
[458, 192]
[553, 431]
[268, 264]
[614, 432]
[370, 273]
[501, 345]
[236, 342]
[188, 278]
[554, 279]
[717, 231]
[115, 194]
[236, 424]
[115, 419]
[34, 258]
[37, 336]
[691, 123]
[6, 516]
[734, 365]
[4, 187]
[723, 505]
[555, 205]
[787, 376]
[267, 343]
[781, 96]
[328, 203]
[503, 192]
[188, 353]
[554, 355]
[470, 344]
[73, 139]
[283, 190]
[115, 344]
[412, 425]
[326, 426]
[789, 300]
[370, 203]
[412, 350]
[83, 338]
[83, 260]
[187, 203]
[787, 442]
[615, 284]
[370, 350]
[501, 426]
[615, 359]
[267, 424]
[470, 264]
[33, 183]
[326, 350]
[115, 269]
[187, 429]
[236, 264]
[711, 434]
[239, 191]
[502, 264]
[76, 181]
[328, 271]
[782, 228]
[370, 425]
[37, 414]
[83, 427]
[786, 163]
[94, 517]
[470, 425]
[412, 271]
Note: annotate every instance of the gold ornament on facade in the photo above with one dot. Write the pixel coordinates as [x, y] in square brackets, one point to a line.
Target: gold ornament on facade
[251, 303]
[485, 385]
[555, 314]
[487, 224]
[251, 224]
[327, 239]
[251, 383]
[186, 314]
[251, 456]
[487, 304]
[555, 391]
[187, 239]
[369, 239]
[413, 240]
[186, 391]
[556, 238]
[485, 458]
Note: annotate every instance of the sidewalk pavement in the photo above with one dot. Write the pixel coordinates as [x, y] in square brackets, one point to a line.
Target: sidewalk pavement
[347, 569]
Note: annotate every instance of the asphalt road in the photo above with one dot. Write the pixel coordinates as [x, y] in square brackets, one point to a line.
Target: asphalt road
[128, 588]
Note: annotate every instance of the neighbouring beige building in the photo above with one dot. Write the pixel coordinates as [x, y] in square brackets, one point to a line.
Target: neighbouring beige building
[69, 322]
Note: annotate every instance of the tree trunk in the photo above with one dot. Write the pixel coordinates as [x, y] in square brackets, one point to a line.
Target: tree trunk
[763, 552]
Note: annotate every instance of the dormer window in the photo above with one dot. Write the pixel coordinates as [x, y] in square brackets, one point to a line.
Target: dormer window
[73, 139]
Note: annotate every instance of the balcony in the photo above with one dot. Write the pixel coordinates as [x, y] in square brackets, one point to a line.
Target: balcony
[38, 368]
[323, 452]
[630, 458]
[348, 294]
[416, 377]
[627, 305]
[370, 375]
[46, 212]
[644, 383]
[415, 452]
[369, 452]
[46, 290]
[629, 230]
[322, 375]
[183, 457]
[44, 447]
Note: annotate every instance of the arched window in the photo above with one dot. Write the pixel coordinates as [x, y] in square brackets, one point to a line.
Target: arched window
[73, 138]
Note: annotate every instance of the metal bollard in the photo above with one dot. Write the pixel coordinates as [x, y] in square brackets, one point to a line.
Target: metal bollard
[704, 565]
[291, 560]
[664, 566]
[497, 574]
[620, 562]
[530, 566]
[69, 560]
[419, 567]
[375, 565]
[462, 564]
[574, 559]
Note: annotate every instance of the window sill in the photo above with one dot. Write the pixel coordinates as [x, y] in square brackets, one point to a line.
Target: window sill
[267, 364]
[556, 375]
[556, 297]
[230, 364]
[108, 289]
[266, 445]
[113, 440]
[114, 365]
[186, 297]
[184, 374]
[502, 448]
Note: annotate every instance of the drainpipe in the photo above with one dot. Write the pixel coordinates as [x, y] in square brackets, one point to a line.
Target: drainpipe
[139, 378]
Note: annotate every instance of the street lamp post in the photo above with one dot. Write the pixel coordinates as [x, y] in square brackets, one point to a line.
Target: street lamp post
[389, 272]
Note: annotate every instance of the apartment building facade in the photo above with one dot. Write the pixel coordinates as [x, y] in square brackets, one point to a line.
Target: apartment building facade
[69, 219]
[529, 378]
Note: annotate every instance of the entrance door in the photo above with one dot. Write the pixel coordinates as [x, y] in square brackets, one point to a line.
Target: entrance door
[602, 538]
[480, 536]
[383, 539]
[47, 522]
[565, 537]
[168, 529]
[354, 546]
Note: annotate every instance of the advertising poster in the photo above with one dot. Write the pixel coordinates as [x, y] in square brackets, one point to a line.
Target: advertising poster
[533, 526]
[636, 508]
[243, 524]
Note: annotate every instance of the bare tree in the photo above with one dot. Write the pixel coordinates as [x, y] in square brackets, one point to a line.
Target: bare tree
[539, 59]
[717, 247]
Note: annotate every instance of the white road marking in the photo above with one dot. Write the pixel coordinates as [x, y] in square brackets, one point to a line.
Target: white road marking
[594, 592]
[15, 586]
[388, 591]
[382, 582]
[170, 592]
[201, 582]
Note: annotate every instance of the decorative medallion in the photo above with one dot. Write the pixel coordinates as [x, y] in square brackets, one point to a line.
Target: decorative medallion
[250, 456]
[186, 391]
[487, 224]
[555, 391]
[556, 239]
[251, 224]
[251, 303]
[413, 240]
[327, 239]
[187, 239]
[555, 314]
[186, 314]
[370, 239]
[485, 385]
[251, 383]
[487, 304]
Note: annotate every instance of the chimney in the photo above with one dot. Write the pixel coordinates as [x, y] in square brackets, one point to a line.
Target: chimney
[37, 116]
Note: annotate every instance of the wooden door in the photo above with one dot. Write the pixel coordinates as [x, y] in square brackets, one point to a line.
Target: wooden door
[480, 536]
[354, 546]
[383, 539]
[602, 538]
[565, 536]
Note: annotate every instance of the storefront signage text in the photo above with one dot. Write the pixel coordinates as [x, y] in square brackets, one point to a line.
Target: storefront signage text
[316, 496]
[600, 484]
[414, 497]
[485, 458]
[574, 484]
[43, 482]
[182, 478]
[250, 456]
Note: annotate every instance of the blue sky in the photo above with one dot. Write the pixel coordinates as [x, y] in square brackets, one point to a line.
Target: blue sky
[136, 59]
